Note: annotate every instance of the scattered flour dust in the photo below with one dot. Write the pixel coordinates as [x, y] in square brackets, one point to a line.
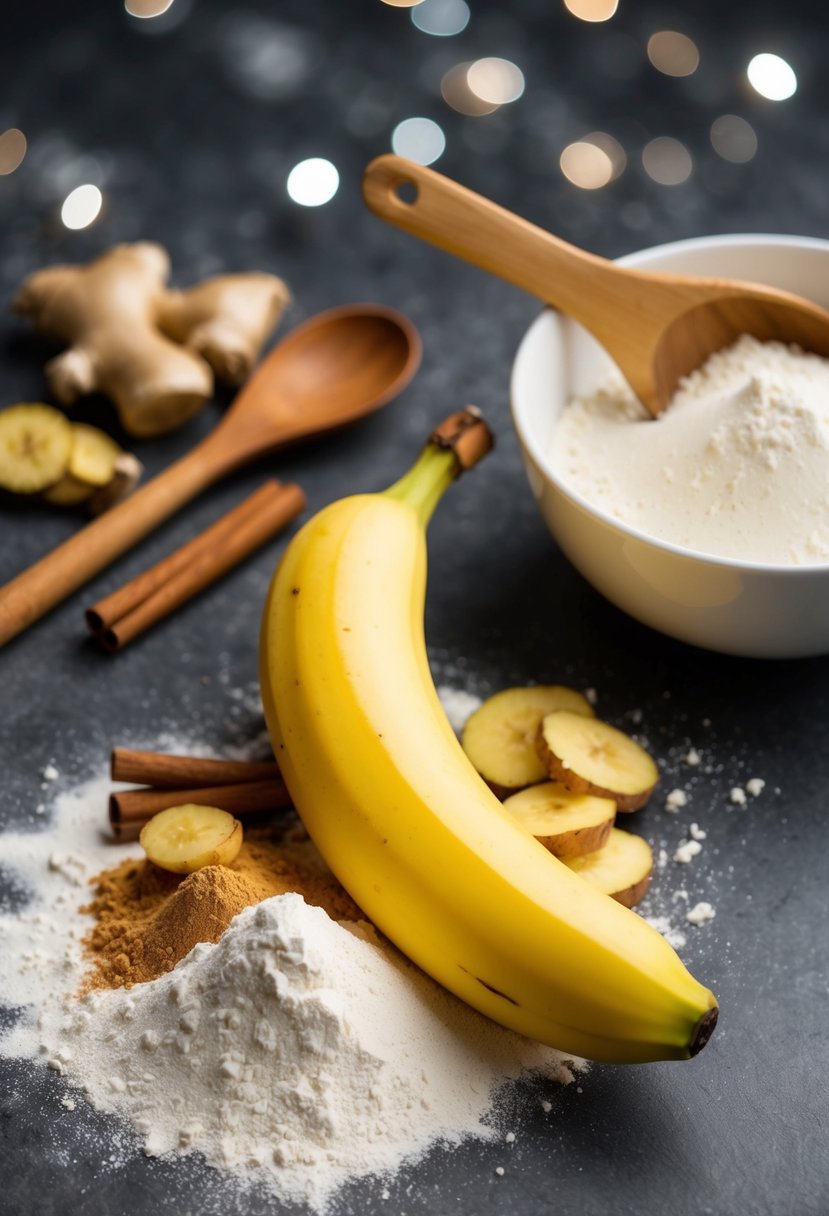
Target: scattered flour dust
[664, 925]
[298, 1052]
[458, 705]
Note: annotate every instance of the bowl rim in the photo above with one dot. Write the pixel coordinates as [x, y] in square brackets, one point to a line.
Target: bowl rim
[643, 257]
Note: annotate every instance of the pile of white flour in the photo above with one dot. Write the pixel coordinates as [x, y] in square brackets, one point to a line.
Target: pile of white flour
[737, 466]
[297, 1051]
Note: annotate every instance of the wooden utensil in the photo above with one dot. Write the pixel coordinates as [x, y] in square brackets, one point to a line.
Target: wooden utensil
[657, 327]
[333, 369]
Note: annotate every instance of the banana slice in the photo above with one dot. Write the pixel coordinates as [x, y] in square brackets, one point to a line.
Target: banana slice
[621, 869]
[567, 824]
[187, 838]
[68, 492]
[93, 455]
[125, 477]
[499, 738]
[590, 757]
[99, 473]
[35, 446]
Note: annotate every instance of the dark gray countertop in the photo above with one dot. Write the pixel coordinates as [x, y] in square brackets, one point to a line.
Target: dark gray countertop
[190, 134]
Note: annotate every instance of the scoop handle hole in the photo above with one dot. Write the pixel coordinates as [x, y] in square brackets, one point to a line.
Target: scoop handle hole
[405, 191]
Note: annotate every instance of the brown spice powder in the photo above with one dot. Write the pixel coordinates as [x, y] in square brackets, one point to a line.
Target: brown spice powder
[147, 919]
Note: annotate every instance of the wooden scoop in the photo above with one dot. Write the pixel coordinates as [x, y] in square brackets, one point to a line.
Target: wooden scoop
[656, 327]
[337, 367]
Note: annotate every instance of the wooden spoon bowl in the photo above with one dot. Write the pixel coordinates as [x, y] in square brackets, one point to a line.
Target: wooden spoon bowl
[656, 327]
[698, 330]
[330, 371]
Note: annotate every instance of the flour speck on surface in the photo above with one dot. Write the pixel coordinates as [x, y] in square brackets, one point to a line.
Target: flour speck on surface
[700, 913]
[458, 705]
[687, 851]
[663, 924]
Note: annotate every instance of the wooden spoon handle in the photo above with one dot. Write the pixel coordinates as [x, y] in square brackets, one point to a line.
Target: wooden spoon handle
[31, 594]
[479, 231]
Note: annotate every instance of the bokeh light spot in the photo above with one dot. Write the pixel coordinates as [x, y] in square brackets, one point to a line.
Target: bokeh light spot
[313, 182]
[418, 139]
[586, 165]
[496, 81]
[772, 77]
[592, 10]
[673, 53]
[442, 18]
[82, 206]
[147, 8]
[733, 138]
[455, 90]
[667, 161]
[611, 147]
[12, 150]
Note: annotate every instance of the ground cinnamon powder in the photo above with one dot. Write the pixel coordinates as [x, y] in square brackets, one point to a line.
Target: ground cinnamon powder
[147, 919]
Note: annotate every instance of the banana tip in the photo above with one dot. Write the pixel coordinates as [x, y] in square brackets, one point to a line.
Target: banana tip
[703, 1030]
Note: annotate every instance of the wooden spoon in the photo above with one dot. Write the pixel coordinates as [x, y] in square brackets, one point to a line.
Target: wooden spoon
[657, 327]
[333, 369]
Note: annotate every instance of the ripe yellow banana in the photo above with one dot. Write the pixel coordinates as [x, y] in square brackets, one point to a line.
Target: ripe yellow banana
[407, 825]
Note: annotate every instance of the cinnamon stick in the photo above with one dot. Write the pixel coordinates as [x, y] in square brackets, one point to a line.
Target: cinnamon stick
[138, 806]
[147, 599]
[183, 772]
[110, 609]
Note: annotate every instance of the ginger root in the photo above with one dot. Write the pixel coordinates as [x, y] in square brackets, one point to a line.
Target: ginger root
[226, 320]
[123, 331]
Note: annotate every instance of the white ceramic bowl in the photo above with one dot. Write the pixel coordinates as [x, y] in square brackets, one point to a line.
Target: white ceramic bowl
[743, 608]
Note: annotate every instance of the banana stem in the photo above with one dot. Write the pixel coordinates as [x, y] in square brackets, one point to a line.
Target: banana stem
[426, 481]
[458, 443]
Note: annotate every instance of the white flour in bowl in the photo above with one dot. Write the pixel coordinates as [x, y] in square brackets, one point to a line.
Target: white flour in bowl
[737, 466]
